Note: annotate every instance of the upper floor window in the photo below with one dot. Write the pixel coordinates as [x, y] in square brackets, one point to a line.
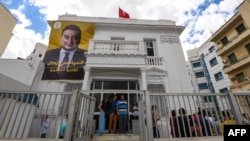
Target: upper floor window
[150, 47]
[213, 62]
[34, 51]
[240, 77]
[40, 55]
[218, 76]
[248, 47]
[241, 28]
[199, 74]
[224, 90]
[232, 58]
[196, 64]
[224, 41]
[203, 86]
[212, 49]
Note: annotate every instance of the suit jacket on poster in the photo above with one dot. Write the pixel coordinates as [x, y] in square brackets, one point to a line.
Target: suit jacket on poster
[76, 71]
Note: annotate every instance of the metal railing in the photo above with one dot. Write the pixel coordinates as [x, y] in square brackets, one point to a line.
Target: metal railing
[196, 115]
[26, 115]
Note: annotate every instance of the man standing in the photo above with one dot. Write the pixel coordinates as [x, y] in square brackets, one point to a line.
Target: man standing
[67, 61]
[122, 110]
[112, 115]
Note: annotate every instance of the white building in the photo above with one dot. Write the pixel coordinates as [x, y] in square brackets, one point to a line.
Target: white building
[152, 57]
[124, 54]
[205, 69]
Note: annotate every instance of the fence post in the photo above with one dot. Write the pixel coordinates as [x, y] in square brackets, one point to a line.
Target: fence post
[148, 117]
[235, 108]
[71, 115]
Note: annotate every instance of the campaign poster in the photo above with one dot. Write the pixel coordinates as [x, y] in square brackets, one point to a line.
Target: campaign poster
[65, 57]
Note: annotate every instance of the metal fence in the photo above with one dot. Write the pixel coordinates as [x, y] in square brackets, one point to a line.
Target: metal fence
[166, 116]
[42, 114]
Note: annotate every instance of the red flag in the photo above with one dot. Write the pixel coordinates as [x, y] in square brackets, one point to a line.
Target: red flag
[123, 14]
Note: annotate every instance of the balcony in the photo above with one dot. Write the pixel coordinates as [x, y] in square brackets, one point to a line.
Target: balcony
[154, 61]
[116, 47]
[233, 42]
[241, 62]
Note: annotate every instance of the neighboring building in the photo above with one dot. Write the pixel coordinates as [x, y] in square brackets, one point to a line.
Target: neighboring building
[6, 27]
[233, 46]
[206, 70]
[38, 52]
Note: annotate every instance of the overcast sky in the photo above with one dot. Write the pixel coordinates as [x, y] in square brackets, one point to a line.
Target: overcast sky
[200, 17]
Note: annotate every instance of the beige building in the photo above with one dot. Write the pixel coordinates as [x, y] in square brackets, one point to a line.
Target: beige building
[233, 45]
[6, 27]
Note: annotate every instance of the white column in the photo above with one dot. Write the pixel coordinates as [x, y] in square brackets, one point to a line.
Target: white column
[143, 79]
[86, 78]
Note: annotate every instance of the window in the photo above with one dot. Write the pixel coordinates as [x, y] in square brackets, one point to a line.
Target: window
[156, 88]
[212, 49]
[213, 62]
[199, 74]
[224, 90]
[150, 48]
[196, 64]
[224, 41]
[240, 77]
[34, 51]
[218, 76]
[40, 55]
[203, 86]
[232, 58]
[241, 28]
[248, 47]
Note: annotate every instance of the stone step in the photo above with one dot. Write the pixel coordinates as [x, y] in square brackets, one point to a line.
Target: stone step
[116, 137]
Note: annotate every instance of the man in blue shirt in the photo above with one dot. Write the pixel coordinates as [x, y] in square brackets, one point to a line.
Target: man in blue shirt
[122, 110]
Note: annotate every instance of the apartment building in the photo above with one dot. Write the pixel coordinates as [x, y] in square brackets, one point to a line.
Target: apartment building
[6, 27]
[205, 69]
[232, 41]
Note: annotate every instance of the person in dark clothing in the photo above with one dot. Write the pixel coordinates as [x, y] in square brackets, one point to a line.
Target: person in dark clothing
[183, 124]
[206, 129]
[102, 120]
[173, 124]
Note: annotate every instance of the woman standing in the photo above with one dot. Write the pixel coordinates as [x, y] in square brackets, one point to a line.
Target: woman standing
[102, 120]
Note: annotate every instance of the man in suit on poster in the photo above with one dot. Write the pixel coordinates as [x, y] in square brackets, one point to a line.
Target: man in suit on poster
[67, 61]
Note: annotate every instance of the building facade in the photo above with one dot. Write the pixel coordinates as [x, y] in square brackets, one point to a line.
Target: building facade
[122, 55]
[205, 70]
[6, 27]
[233, 46]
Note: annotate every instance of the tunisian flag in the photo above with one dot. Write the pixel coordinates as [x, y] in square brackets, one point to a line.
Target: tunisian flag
[123, 14]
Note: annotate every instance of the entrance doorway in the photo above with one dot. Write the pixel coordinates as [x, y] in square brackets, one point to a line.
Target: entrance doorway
[111, 88]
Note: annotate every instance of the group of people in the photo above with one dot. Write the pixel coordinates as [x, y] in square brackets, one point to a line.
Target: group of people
[198, 124]
[113, 111]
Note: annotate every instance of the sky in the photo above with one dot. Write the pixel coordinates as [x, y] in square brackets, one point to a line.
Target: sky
[201, 18]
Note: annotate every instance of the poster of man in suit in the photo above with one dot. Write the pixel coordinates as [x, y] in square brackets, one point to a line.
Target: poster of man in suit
[65, 57]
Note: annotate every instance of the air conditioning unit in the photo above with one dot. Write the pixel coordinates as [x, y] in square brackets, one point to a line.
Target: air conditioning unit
[225, 61]
[247, 78]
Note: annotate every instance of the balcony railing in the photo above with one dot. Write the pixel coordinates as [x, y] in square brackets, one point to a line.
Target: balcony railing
[233, 41]
[242, 61]
[154, 61]
[116, 47]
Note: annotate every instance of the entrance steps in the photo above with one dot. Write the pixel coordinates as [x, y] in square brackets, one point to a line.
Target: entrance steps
[116, 137]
